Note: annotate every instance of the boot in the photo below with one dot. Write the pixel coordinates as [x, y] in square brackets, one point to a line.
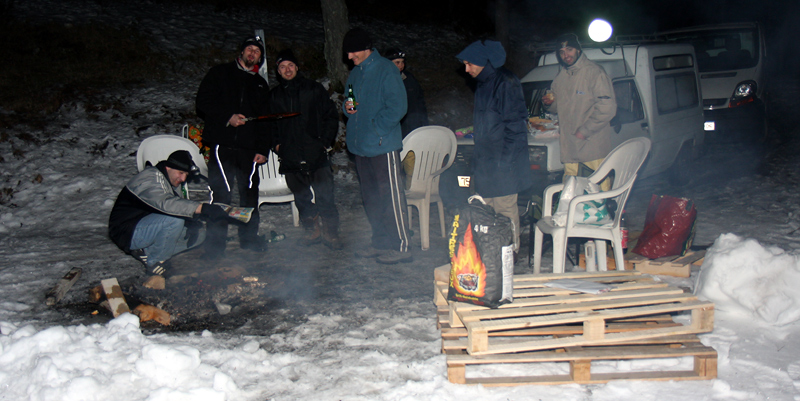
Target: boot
[313, 233]
[330, 234]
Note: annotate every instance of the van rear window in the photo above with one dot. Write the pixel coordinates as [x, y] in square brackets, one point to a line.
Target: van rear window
[675, 92]
[664, 63]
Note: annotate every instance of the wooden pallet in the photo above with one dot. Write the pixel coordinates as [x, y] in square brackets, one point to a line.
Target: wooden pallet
[678, 266]
[581, 361]
[551, 325]
[538, 306]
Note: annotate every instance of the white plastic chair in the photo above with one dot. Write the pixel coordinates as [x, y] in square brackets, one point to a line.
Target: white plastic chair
[158, 147]
[434, 151]
[273, 188]
[624, 161]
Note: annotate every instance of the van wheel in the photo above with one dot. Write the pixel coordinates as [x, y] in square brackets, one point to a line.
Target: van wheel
[681, 171]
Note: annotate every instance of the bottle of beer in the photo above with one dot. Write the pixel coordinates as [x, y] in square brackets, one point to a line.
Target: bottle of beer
[351, 97]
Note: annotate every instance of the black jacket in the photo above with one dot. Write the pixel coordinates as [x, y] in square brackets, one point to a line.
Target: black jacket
[303, 139]
[227, 90]
[417, 114]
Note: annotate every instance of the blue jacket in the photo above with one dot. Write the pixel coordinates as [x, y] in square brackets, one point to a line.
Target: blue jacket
[500, 163]
[381, 96]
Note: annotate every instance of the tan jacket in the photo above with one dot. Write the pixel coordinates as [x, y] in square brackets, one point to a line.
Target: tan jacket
[585, 103]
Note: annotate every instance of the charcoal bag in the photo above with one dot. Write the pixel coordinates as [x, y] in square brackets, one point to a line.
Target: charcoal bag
[481, 256]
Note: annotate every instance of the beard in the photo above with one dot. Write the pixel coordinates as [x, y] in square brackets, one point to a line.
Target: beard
[248, 63]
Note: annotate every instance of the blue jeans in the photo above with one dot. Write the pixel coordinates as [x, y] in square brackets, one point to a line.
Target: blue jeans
[161, 237]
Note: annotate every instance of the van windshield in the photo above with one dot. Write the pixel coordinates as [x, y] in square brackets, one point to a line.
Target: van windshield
[722, 49]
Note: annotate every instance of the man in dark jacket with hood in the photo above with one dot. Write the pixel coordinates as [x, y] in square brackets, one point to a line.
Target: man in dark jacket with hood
[228, 95]
[500, 158]
[302, 143]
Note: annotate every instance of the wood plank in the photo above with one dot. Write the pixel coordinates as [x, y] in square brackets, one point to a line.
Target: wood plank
[116, 300]
[57, 293]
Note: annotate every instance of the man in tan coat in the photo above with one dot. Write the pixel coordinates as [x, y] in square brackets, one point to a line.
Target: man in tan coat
[583, 98]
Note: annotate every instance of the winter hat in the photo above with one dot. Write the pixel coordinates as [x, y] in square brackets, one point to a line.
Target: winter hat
[482, 52]
[568, 40]
[286, 55]
[252, 41]
[356, 40]
[394, 53]
[181, 160]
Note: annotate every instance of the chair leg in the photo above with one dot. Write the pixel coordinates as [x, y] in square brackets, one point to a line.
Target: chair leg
[559, 251]
[537, 249]
[602, 261]
[425, 225]
[410, 217]
[441, 218]
[295, 215]
[619, 257]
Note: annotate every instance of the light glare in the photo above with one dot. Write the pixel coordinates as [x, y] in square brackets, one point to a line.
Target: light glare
[600, 30]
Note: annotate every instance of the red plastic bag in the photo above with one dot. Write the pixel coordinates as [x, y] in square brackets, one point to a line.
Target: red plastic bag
[668, 227]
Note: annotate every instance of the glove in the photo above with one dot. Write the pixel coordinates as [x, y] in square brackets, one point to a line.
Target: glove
[213, 212]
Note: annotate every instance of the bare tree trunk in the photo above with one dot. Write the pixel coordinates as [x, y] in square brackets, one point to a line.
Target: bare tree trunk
[501, 22]
[336, 24]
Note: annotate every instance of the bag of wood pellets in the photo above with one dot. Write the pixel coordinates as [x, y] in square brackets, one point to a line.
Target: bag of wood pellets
[481, 256]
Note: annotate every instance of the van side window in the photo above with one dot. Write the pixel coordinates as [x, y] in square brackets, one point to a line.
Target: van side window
[675, 92]
[629, 104]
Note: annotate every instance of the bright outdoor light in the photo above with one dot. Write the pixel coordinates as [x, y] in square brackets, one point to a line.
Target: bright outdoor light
[600, 30]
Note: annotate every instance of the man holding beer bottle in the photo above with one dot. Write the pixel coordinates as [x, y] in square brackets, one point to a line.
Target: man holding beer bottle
[374, 137]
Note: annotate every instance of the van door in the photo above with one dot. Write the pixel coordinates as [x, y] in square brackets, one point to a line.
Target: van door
[677, 114]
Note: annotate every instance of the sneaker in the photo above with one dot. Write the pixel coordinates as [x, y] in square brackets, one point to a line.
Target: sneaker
[159, 268]
[393, 257]
[370, 252]
[257, 245]
[139, 255]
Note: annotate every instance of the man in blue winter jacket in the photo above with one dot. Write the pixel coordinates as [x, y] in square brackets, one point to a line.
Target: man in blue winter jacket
[500, 158]
[374, 137]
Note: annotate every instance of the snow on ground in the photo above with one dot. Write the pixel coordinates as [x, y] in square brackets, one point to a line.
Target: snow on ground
[386, 351]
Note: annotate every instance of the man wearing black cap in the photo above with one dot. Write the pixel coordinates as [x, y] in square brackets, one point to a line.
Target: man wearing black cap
[302, 143]
[374, 137]
[152, 221]
[583, 98]
[417, 114]
[228, 95]
[500, 159]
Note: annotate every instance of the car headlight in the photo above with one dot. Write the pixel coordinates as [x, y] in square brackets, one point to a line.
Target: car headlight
[744, 93]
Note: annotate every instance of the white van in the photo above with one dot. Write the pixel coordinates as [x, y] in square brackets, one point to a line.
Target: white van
[732, 60]
[658, 96]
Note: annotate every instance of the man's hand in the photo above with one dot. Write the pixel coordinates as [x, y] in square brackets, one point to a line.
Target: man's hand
[548, 98]
[579, 135]
[236, 120]
[349, 107]
[260, 159]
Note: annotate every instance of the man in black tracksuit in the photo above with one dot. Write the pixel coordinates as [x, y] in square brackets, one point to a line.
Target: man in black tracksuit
[302, 143]
[228, 95]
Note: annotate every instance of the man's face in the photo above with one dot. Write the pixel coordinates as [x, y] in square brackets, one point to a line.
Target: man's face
[472, 69]
[287, 70]
[251, 55]
[176, 177]
[400, 63]
[359, 56]
[569, 55]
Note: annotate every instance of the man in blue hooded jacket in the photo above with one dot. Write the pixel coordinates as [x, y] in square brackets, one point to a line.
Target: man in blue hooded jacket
[374, 137]
[500, 156]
